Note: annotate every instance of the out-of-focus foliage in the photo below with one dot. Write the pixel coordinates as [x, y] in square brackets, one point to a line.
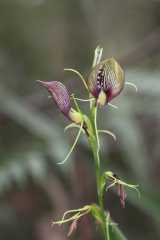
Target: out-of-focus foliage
[38, 38]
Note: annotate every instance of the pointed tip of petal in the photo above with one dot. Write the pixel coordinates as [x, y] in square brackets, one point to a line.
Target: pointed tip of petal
[44, 84]
[39, 81]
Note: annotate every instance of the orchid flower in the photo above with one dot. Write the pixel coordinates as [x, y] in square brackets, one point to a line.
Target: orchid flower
[106, 81]
[120, 186]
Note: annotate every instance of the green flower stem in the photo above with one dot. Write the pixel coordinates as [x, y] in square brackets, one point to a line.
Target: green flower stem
[94, 144]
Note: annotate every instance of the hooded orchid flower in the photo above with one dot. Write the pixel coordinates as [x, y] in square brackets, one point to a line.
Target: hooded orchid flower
[106, 81]
[60, 95]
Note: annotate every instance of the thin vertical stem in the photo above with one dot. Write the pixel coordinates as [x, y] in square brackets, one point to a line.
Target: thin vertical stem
[95, 146]
[107, 227]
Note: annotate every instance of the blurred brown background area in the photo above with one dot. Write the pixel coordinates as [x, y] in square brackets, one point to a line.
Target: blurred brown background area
[38, 39]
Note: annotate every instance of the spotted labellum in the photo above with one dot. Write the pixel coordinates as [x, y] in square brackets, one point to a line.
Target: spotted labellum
[106, 81]
[60, 95]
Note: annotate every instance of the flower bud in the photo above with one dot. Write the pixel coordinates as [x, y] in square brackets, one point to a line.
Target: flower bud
[61, 97]
[59, 94]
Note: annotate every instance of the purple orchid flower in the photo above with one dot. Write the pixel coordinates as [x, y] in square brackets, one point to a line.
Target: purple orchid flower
[106, 81]
[60, 95]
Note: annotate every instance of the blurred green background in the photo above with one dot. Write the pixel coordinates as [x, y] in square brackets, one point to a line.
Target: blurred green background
[38, 39]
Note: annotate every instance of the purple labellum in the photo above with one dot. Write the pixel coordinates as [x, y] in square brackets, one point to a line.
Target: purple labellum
[122, 195]
[72, 227]
[60, 95]
[108, 78]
